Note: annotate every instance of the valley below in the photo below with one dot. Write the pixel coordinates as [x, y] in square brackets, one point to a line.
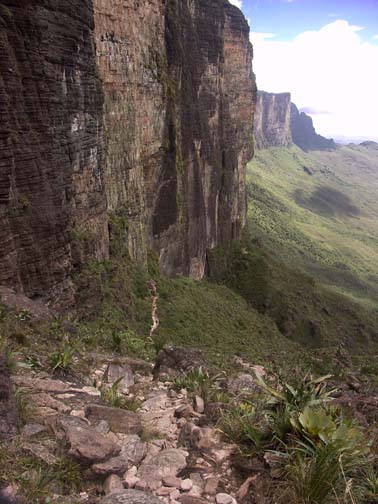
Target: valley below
[318, 211]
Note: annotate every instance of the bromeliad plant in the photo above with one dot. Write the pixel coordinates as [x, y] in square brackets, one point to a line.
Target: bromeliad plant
[62, 361]
[321, 454]
[306, 392]
[200, 382]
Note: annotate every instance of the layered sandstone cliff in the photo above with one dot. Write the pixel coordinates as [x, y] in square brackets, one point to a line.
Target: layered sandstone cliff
[120, 114]
[272, 120]
[278, 123]
[51, 143]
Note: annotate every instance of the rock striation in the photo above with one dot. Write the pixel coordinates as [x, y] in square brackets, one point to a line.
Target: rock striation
[128, 117]
[51, 144]
[278, 123]
[272, 120]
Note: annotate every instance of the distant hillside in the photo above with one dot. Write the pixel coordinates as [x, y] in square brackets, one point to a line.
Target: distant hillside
[318, 211]
[304, 134]
[278, 123]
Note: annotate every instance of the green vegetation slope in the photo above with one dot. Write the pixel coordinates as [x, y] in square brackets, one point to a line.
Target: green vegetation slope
[318, 212]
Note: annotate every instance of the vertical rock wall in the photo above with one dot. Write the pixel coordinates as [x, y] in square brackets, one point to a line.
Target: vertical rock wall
[179, 95]
[272, 120]
[51, 144]
[121, 113]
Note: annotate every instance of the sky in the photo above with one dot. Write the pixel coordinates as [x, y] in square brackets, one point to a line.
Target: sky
[325, 52]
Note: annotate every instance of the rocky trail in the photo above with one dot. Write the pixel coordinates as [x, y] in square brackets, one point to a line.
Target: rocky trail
[168, 449]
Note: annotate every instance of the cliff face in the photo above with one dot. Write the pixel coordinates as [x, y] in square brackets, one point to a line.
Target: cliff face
[304, 134]
[51, 137]
[132, 114]
[278, 123]
[272, 120]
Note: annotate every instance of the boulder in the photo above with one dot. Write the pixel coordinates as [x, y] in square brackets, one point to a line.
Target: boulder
[165, 463]
[112, 484]
[119, 420]
[85, 443]
[243, 384]
[132, 453]
[122, 372]
[34, 310]
[176, 361]
[199, 404]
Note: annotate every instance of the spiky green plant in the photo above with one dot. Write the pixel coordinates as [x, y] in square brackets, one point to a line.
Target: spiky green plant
[324, 473]
[112, 396]
[198, 381]
[307, 391]
[62, 361]
[245, 424]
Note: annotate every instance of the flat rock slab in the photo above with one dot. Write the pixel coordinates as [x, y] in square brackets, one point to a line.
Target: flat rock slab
[130, 497]
[40, 452]
[119, 420]
[86, 444]
[192, 499]
[165, 463]
[47, 385]
[44, 400]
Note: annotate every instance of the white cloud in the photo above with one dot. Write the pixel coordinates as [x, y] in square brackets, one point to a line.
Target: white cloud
[331, 70]
[238, 3]
[375, 36]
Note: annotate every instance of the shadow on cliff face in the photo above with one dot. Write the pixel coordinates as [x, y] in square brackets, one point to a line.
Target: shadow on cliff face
[327, 201]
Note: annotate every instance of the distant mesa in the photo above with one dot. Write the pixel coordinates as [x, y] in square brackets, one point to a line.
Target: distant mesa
[272, 120]
[304, 134]
[370, 143]
[278, 123]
